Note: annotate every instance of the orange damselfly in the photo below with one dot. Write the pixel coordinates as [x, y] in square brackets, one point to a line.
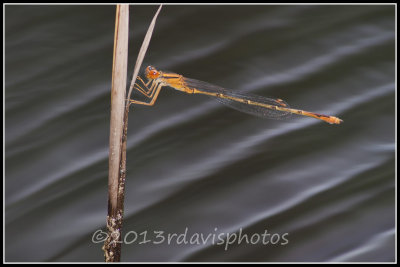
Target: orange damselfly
[244, 102]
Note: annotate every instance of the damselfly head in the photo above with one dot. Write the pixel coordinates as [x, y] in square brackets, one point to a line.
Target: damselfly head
[152, 73]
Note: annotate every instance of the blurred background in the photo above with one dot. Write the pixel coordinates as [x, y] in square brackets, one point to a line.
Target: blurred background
[194, 166]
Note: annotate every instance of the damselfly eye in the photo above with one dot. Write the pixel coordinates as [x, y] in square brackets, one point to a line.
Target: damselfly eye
[152, 73]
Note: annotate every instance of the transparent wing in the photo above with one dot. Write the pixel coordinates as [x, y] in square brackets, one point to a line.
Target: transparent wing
[251, 109]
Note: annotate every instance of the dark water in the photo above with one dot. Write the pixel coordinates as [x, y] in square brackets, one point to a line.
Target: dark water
[316, 192]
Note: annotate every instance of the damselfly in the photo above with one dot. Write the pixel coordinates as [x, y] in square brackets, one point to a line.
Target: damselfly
[248, 103]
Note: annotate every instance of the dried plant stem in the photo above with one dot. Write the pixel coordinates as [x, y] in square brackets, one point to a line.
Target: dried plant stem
[116, 182]
[119, 129]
